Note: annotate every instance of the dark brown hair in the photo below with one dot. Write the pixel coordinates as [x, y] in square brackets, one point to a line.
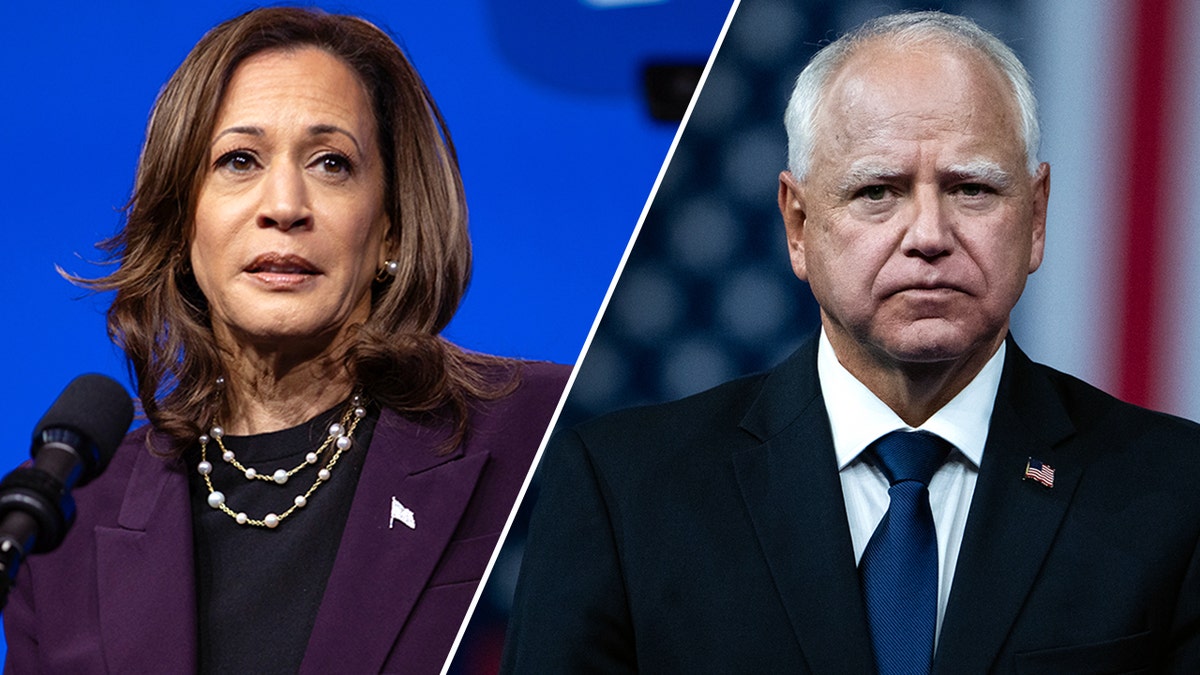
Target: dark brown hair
[160, 317]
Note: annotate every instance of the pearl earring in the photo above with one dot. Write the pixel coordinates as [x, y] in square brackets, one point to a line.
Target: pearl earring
[389, 270]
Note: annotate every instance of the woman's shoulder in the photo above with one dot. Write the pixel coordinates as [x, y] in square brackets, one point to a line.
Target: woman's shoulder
[529, 392]
[528, 383]
[134, 458]
[512, 404]
[117, 472]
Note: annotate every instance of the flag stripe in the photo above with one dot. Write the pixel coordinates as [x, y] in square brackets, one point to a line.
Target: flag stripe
[1144, 211]
[1069, 317]
[1180, 361]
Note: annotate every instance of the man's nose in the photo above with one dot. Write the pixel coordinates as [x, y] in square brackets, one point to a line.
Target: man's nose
[930, 233]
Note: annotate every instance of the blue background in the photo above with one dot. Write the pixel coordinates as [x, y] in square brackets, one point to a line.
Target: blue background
[543, 100]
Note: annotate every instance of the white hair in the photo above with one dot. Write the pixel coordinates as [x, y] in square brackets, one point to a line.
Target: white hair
[906, 28]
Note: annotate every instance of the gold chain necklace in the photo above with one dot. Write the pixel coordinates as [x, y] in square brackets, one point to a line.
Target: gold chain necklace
[340, 437]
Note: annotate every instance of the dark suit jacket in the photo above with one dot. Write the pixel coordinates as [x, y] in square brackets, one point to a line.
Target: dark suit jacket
[710, 535]
[119, 594]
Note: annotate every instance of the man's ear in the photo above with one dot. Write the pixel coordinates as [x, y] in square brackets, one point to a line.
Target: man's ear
[1041, 200]
[793, 210]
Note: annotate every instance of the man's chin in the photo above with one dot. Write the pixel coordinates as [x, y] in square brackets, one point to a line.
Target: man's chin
[934, 344]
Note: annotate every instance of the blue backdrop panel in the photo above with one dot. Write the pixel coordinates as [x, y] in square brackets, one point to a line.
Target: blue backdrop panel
[556, 173]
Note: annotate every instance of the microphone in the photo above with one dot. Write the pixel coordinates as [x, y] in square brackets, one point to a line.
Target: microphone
[72, 444]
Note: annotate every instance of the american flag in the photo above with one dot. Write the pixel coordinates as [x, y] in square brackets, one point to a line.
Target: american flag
[1042, 473]
[1116, 86]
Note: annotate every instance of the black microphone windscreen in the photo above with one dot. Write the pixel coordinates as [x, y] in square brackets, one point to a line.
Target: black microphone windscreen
[96, 407]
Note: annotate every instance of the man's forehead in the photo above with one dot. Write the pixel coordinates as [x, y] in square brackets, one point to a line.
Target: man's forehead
[925, 78]
[886, 104]
[890, 53]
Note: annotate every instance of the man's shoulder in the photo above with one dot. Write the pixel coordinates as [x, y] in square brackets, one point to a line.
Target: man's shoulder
[1128, 438]
[711, 418]
[712, 425]
[1091, 407]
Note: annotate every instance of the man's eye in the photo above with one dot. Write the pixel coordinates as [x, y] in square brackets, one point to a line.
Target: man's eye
[874, 192]
[972, 189]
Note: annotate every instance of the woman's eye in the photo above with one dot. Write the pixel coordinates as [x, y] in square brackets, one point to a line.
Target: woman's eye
[237, 161]
[334, 164]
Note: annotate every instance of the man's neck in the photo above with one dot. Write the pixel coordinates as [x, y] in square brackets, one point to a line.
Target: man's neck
[914, 391]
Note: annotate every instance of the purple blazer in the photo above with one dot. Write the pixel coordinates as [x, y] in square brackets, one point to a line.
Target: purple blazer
[119, 594]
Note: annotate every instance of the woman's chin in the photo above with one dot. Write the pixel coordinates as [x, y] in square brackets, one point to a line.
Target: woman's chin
[293, 334]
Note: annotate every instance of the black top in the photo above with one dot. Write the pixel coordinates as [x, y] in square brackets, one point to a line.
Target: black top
[258, 589]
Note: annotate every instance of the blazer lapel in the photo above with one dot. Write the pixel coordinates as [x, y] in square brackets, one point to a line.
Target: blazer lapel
[791, 489]
[145, 571]
[382, 568]
[1012, 521]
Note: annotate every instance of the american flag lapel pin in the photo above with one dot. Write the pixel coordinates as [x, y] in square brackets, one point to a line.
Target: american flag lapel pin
[1040, 472]
[403, 514]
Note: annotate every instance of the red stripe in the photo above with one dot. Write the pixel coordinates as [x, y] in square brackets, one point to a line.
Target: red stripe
[1144, 225]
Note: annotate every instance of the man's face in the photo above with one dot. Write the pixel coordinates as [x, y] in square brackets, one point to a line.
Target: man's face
[918, 222]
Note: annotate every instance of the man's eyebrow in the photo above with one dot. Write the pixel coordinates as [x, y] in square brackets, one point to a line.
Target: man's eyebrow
[983, 171]
[865, 174]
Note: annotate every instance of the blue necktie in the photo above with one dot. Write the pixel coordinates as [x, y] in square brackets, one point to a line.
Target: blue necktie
[899, 568]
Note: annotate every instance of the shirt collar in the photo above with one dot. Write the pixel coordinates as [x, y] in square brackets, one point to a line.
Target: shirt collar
[857, 417]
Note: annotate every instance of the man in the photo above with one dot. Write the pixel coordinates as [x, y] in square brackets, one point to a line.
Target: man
[908, 492]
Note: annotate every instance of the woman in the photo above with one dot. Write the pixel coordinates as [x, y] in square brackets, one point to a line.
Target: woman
[323, 478]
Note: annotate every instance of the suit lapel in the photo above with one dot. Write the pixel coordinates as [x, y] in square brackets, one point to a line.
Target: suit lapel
[145, 571]
[791, 489]
[381, 571]
[1012, 522]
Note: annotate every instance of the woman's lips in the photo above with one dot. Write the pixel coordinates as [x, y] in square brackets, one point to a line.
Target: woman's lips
[281, 270]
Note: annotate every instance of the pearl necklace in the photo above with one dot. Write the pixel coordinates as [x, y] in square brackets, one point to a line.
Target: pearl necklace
[340, 437]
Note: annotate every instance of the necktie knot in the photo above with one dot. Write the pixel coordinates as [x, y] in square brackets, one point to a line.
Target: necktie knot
[910, 455]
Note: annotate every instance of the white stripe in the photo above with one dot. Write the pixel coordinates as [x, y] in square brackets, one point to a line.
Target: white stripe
[1182, 305]
[1066, 318]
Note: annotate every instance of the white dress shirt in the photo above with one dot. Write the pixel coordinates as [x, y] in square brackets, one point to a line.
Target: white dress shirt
[858, 418]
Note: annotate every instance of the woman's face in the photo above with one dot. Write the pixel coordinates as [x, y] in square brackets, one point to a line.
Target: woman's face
[289, 226]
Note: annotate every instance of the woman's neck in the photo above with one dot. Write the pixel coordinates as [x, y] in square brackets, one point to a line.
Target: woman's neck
[268, 391]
